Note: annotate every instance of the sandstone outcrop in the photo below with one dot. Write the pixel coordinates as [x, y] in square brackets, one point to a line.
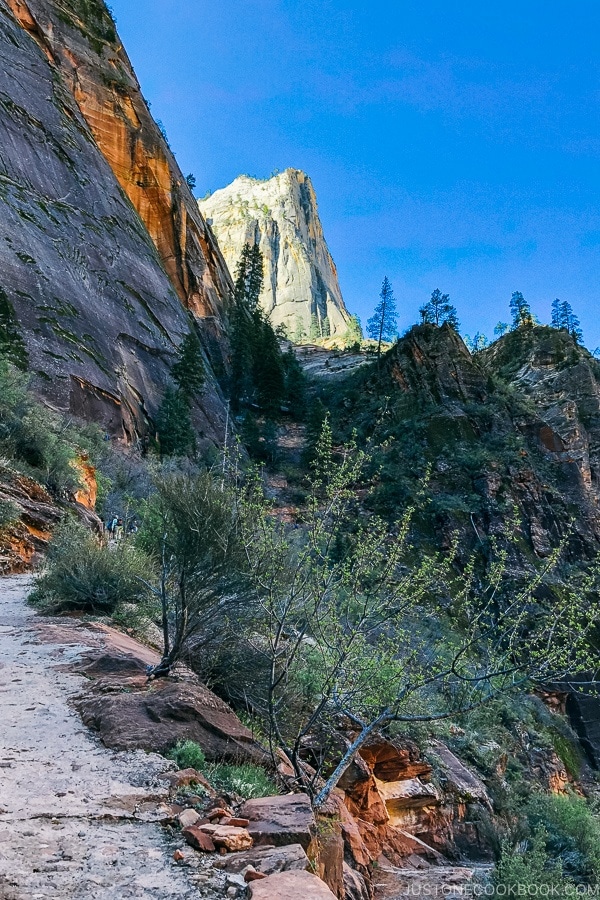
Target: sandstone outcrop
[24, 539]
[280, 215]
[499, 428]
[326, 850]
[81, 39]
[563, 381]
[355, 886]
[155, 719]
[390, 804]
[129, 713]
[84, 296]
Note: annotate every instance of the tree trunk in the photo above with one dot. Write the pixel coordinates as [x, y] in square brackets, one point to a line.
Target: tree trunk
[346, 761]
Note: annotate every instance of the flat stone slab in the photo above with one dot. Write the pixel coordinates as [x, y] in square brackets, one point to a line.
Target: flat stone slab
[268, 860]
[293, 885]
[282, 820]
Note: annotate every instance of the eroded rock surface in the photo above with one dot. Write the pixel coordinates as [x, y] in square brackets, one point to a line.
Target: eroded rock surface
[390, 805]
[267, 860]
[128, 713]
[24, 540]
[280, 215]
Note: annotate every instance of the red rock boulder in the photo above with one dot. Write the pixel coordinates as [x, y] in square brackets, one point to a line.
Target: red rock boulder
[282, 820]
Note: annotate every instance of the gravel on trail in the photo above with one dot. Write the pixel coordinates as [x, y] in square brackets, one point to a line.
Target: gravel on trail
[72, 823]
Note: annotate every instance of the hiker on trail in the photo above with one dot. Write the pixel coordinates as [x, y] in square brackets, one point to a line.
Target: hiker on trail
[119, 530]
[111, 528]
[133, 527]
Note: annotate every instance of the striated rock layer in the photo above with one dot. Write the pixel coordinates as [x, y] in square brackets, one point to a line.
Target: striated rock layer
[84, 271]
[280, 215]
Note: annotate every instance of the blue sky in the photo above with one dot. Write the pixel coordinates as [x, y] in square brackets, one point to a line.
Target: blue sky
[451, 144]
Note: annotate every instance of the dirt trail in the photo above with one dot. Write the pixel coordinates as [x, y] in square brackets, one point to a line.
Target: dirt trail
[70, 819]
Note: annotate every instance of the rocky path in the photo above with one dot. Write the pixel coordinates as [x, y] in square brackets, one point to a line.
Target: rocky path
[72, 821]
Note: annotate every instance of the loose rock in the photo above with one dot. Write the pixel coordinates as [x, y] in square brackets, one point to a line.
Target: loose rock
[188, 817]
[199, 840]
[230, 838]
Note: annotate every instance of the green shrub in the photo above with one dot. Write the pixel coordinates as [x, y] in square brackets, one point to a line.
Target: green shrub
[568, 752]
[572, 833]
[41, 443]
[246, 780]
[530, 871]
[82, 574]
[188, 755]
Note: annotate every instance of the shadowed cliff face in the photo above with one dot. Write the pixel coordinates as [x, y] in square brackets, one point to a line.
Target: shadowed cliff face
[281, 216]
[82, 281]
[563, 381]
[517, 426]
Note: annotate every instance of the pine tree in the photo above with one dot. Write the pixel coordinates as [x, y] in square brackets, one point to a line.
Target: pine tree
[249, 276]
[244, 336]
[295, 385]
[188, 371]
[556, 320]
[383, 324]
[315, 332]
[354, 334]
[520, 310]
[268, 369]
[251, 435]
[439, 311]
[477, 343]
[299, 331]
[173, 425]
[257, 368]
[501, 329]
[565, 319]
[326, 327]
[571, 323]
[255, 277]
[12, 345]
[241, 354]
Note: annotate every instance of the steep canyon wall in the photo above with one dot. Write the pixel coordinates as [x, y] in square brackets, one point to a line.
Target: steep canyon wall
[103, 248]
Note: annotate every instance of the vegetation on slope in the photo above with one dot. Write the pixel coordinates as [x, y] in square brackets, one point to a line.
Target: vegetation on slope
[37, 442]
[366, 608]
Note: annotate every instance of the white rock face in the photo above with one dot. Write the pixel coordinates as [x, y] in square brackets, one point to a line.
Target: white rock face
[280, 215]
